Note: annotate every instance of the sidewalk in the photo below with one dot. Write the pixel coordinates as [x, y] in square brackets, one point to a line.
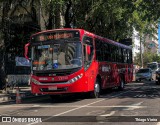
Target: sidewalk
[10, 95]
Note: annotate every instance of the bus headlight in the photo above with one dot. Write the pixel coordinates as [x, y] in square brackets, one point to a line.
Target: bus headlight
[75, 78]
[35, 81]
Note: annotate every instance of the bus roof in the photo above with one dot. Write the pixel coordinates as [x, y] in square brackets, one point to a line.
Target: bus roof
[45, 31]
[108, 40]
[90, 34]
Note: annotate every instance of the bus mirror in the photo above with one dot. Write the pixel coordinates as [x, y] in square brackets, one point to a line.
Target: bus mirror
[87, 42]
[26, 50]
[88, 49]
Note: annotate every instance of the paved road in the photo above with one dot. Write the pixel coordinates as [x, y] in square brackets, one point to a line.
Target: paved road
[138, 104]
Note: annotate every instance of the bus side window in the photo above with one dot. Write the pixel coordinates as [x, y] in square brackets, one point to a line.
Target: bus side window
[130, 56]
[106, 52]
[99, 53]
[120, 55]
[124, 55]
[113, 53]
[88, 50]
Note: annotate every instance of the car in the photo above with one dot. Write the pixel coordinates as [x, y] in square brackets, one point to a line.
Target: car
[144, 74]
[158, 77]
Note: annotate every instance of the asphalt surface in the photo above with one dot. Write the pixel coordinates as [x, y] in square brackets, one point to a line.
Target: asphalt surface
[139, 104]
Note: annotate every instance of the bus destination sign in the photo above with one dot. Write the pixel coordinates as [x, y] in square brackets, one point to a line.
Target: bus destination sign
[55, 35]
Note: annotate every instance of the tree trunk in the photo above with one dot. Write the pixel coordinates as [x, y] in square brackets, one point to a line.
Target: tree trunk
[141, 53]
[4, 19]
[2, 69]
[67, 15]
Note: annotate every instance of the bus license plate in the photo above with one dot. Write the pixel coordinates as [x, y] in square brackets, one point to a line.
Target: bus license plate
[52, 88]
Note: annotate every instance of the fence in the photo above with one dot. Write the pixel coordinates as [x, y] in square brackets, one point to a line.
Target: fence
[16, 75]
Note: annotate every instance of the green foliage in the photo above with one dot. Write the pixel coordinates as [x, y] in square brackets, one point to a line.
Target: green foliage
[109, 18]
[147, 58]
[113, 19]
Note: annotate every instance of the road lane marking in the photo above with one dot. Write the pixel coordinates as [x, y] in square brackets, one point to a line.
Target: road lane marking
[76, 106]
[139, 103]
[96, 112]
[133, 106]
[79, 107]
[68, 111]
[100, 118]
[110, 114]
[84, 106]
[129, 113]
[158, 123]
[35, 105]
[147, 96]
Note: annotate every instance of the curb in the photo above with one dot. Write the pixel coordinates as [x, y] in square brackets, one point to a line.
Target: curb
[11, 96]
[25, 96]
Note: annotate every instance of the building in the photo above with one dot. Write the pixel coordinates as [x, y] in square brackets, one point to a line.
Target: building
[135, 43]
[151, 43]
[151, 40]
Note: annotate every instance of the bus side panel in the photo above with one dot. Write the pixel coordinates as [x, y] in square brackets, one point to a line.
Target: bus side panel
[91, 74]
[105, 73]
[129, 79]
[115, 75]
[126, 71]
[122, 72]
[109, 73]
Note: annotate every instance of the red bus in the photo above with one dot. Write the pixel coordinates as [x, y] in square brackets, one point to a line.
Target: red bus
[77, 61]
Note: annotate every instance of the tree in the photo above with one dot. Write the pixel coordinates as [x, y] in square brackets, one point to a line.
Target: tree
[14, 32]
[50, 14]
[145, 20]
[109, 18]
[147, 58]
[113, 19]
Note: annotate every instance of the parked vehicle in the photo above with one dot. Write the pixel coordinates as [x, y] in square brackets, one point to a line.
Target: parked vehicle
[158, 77]
[144, 74]
[153, 65]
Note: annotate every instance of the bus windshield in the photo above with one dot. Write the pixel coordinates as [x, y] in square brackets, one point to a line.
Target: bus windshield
[61, 55]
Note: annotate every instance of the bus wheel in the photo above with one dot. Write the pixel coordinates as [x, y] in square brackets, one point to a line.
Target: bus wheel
[121, 86]
[96, 92]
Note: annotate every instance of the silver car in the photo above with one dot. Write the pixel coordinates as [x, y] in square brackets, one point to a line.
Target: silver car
[144, 74]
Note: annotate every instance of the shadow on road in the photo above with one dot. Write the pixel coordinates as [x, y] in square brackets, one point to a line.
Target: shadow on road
[144, 89]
